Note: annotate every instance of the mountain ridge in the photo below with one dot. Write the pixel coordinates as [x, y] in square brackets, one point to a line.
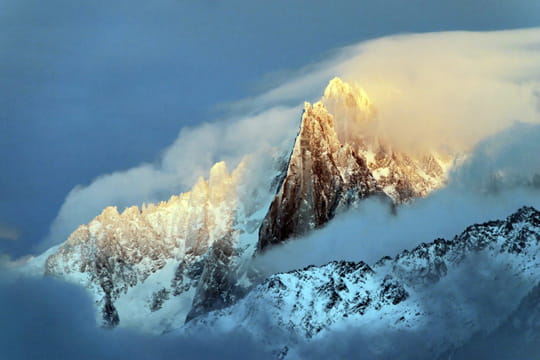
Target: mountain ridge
[161, 265]
[400, 293]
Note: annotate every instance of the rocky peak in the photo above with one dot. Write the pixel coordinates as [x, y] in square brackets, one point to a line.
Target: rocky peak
[317, 129]
[323, 176]
[337, 161]
[188, 254]
[351, 107]
[349, 96]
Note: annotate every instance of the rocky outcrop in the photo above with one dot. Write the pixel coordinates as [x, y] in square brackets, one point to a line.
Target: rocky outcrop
[217, 286]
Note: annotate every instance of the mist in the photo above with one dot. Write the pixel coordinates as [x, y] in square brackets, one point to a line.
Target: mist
[448, 90]
[444, 90]
[9, 232]
[500, 176]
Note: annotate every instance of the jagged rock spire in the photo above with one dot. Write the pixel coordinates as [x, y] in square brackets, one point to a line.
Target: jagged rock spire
[323, 176]
[337, 161]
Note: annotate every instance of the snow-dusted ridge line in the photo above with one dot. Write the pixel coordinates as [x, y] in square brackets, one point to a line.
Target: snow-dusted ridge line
[145, 268]
[424, 291]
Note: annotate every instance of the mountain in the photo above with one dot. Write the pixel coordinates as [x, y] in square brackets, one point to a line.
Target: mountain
[186, 265]
[337, 161]
[158, 266]
[135, 262]
[323, 177]
[438, 296]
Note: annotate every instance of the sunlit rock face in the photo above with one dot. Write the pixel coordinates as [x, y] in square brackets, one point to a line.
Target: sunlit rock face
[185, 224]
[337, 161]
[403, 173]
[150, 260]
[323, 177]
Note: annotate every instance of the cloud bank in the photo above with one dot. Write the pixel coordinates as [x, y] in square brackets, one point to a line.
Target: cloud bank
[500, 176]
[444, 89]
[436, 90]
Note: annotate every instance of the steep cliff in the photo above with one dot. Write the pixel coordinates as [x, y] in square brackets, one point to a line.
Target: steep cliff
[337, 161]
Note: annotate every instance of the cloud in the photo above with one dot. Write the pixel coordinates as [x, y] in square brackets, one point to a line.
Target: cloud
[446, 89]
[443, 90]
[450, 89]
[196, 149]
[500, 176]
[46, 318]
[9, 232]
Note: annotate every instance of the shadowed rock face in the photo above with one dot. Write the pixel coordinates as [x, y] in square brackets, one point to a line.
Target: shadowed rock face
[322, 178]
[216, 287]
[336, 162]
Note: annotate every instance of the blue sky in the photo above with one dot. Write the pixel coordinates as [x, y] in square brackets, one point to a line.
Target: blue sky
[91, 87]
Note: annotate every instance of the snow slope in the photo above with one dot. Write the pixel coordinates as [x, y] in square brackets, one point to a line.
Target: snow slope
[443, 293]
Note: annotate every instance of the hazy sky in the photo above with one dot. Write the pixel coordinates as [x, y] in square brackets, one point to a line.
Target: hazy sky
[90, 87]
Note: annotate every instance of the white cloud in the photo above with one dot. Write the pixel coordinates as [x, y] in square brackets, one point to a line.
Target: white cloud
[448, 90]
[434, 89]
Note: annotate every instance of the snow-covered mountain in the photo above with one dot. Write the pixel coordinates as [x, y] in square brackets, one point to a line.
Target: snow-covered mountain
[186, 264]
[146, 266]
[442, 294]
[158, 266]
